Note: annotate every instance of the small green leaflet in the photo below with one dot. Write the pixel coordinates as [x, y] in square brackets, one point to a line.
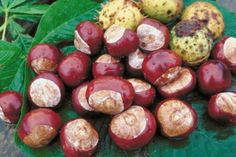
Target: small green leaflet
[13, 10]
[10, 60]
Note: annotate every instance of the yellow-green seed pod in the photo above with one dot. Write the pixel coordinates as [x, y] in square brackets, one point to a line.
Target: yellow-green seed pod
[162, 10]
[108, 12]
[207, 14]
[192, 41]
[129, 17]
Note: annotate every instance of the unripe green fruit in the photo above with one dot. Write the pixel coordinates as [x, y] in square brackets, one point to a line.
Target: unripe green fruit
[129, 17]
[162, 10]
[108, 12]
[123, 13]
[207, 14]
[192, 41]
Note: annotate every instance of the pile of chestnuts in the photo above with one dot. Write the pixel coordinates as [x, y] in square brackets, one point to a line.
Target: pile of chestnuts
[119, 72]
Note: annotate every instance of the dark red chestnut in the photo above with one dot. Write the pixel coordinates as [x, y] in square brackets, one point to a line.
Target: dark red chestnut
[225, 51]
[110, 94]
[106, 65]
[134, 63]
[39, 127]
[176, 118]
[74, 68]
[161, 66]
[153, 35]
[213, 77]
[182, 83]
[10, 106]
[46, 90]
[144, 92]
[120, 41]
[88, 38]
[44, 58]
[133, 129]
[79, 138]
[222, 107]
[79, 101]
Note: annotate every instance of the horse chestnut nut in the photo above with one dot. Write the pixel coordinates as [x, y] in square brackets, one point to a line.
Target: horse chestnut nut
[225, 51]
[46, 90]
[222, 107]
[74, 68]
[161, 66]
[133, 128]
[213, 77]
[88, 38]
[134, 63]
[44, 58]
[10, 106]
[79, 138]
[39, 127]
[182, 83]
[110, 94]
[176, 118]
[79, 101]
[120, 41]
[106, 65]
[144, 92]
[153, 35]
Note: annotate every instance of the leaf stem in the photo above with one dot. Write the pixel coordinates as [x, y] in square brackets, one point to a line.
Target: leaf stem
[4, 26]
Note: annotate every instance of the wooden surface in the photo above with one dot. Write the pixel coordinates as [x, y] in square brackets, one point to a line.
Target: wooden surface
[7, 147]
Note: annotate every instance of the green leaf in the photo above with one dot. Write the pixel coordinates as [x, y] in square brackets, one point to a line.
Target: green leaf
[23, 42]
[29, 18]
[68, 49]
[61, 18]
[30, 9]
[10, 60]
[16, 3]
[1, 10]
[15, 29]
[6, 3]
[27, 10]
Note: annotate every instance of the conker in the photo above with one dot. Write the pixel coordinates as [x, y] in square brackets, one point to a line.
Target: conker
[153, 35]
[133, 128]
[39, 127]
[134, 63]
[106, 65]
[176, 119]
[79, 138]
[88, 38]
[182, 83]
[213, 77]
[74, 68]
[46, 90]
[225, 51]
[120, 41]
[144, 92]
[161, 66]
[222, 107]
[79, 101]
[44, 58]
[10, 106]
[110, 95]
